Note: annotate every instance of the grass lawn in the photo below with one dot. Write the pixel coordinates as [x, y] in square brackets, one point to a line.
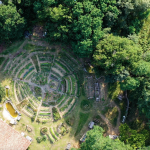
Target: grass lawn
[83, 118]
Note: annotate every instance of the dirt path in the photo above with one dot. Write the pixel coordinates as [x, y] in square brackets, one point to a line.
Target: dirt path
[112, 130]
[108, 102]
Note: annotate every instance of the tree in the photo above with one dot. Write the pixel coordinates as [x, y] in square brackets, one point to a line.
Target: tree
[130, 18]
[76, 22]
[11, 23]
[96, 141]
[129, 83]
[115, 54]
[25, 9]
[2, 92]
[141, 68]
[132, 137]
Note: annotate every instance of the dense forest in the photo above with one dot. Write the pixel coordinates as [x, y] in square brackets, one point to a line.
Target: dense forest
[109, 33]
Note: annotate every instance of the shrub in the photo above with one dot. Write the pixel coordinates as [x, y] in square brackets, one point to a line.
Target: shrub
[56, 114]
[44, 130]
[86, 105]
[70, 120]
[33, 118]
[44, 138]
[39, 139]
[44, 122]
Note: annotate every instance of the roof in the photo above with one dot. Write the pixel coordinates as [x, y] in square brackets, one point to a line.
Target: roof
[10, 139]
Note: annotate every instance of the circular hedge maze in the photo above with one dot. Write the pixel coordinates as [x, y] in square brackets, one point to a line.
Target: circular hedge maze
[47, 79]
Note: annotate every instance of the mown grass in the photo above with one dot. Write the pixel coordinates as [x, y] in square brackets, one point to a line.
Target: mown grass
[83, 118]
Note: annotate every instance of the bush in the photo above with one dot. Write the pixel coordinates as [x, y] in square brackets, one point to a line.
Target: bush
[33, 118]
[44, 130]
[44, 138]
[44, 122]
[70, 120]
[39, 139]
[86, 105]
[56, 114]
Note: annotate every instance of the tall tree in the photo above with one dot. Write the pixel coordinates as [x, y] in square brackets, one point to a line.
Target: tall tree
[129, 83]
[96, 141]
[116, 54]
[11, 23]
[132, 137]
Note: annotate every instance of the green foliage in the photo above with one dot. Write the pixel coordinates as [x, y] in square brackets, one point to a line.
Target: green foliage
[44, 138]
[113, 90]
[56, 114]
[141, 68]
[12, 24]
[70, 120]
[114, 54]
[33, 118]
[96, 141]
[39, 139]
[130, 19]
[132, 137]
[2, 92]
[1, 60]
[129, 84]
[86, 105]
[13, 47]
[44, 130]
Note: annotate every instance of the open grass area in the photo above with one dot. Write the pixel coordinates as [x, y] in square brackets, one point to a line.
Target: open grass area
[83, 118]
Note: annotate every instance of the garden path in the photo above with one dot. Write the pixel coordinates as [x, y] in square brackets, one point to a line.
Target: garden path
[103, 93]
[112, 130]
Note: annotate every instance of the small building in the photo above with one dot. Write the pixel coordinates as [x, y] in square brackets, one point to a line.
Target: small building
[10, 139]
